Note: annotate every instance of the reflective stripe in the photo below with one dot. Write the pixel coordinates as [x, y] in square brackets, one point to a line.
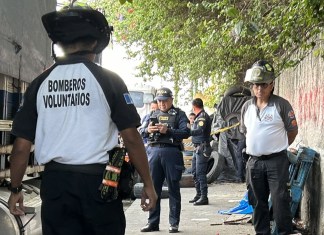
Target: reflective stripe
[110, 183]
[113, 169]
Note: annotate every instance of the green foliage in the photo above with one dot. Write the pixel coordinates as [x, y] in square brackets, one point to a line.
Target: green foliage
[214, 42]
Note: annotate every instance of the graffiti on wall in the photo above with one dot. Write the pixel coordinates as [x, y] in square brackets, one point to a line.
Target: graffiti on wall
[310, 106]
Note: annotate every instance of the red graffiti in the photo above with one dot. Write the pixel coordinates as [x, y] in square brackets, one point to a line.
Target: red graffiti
[310, 106]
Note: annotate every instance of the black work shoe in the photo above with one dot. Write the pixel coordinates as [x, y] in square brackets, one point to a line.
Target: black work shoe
[196, 198]
[150, 228]
[201, 201]
[174, 229]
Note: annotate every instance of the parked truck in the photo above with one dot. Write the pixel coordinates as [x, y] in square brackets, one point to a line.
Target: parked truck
[142, 96]
[25, 53]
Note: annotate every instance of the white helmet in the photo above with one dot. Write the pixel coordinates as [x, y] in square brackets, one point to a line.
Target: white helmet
[260, 72]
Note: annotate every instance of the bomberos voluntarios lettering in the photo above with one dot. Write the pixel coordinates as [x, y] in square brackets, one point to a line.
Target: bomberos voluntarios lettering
[61, 99]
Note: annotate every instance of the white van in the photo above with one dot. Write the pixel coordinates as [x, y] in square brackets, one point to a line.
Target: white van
[142, 96]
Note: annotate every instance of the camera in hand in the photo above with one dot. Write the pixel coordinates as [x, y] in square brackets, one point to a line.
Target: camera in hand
[154, 120]
[156, 135]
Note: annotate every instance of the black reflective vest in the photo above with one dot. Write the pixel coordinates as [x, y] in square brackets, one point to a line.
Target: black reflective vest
[170, 119]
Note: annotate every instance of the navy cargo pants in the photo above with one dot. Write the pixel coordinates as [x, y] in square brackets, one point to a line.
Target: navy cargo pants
[199, 171]
[166, 163]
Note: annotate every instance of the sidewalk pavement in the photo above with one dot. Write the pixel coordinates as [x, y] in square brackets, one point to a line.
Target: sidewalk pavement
[196, 220]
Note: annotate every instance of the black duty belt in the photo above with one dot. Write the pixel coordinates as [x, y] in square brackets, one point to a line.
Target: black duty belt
[92, 169]
[197, 144]
[272, 155]
[163, 145]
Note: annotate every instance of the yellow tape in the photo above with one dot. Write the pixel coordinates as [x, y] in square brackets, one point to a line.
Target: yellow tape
[224, 129]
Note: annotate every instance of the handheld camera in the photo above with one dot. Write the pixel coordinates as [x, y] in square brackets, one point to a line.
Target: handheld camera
[154, 120]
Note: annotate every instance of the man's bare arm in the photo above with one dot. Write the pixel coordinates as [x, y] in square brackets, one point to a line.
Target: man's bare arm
[18, 164]
[291, 136]
[136, 152]
[19, 160]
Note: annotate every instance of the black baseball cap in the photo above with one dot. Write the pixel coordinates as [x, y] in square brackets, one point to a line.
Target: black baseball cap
[163, 94]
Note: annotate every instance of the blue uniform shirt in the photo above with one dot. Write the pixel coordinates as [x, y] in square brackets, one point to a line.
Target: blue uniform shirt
[201, 128]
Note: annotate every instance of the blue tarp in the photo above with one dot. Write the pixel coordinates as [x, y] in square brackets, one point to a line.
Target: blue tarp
[242, 208]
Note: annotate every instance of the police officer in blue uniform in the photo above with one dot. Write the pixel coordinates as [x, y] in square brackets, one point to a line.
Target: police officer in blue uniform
[167, 128]
[146, 119]
[200, 132]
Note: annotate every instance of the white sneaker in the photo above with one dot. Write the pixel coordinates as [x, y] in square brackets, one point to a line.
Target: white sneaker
[174, 229]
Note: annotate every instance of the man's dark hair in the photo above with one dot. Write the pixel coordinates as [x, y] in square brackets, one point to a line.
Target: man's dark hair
[154, 102]
[192, 114]
[198, 103]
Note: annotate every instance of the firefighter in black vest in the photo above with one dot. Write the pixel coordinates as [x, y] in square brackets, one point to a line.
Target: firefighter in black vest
[200, 132]
[167, 128]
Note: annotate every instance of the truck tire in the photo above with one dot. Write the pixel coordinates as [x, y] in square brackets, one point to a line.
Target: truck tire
[187, 181]
[137, 177]
[237, 90]
[215, 167]
[139, 187]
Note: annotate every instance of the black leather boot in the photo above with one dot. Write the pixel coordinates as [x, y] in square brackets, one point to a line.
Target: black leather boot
[198, 192]
[203, 200]
[196, 198]
[150, 228]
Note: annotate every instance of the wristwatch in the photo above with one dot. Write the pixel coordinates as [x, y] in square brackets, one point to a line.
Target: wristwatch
[15, 190]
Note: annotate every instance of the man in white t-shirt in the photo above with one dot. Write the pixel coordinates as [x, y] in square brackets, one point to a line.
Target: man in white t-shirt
[269, 124]
[73, 112]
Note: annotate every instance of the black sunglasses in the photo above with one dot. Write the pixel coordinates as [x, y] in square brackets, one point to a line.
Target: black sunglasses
[262, 85]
